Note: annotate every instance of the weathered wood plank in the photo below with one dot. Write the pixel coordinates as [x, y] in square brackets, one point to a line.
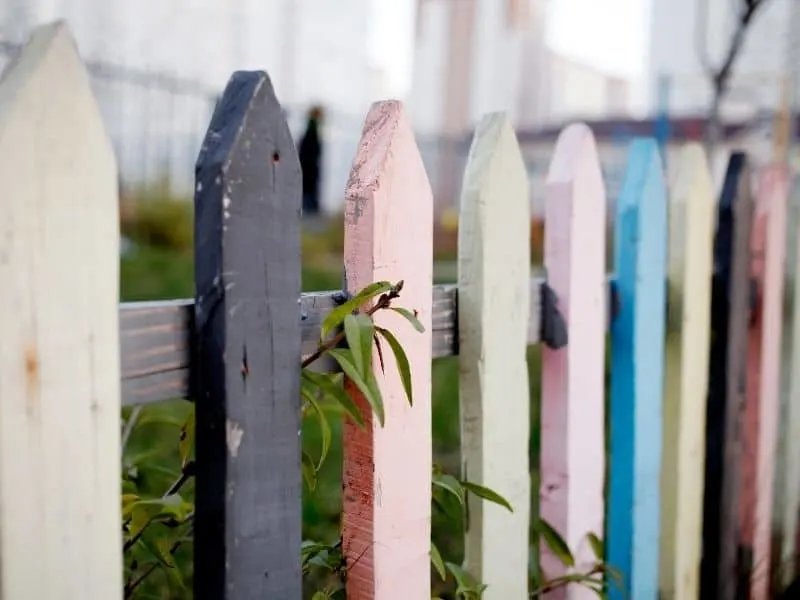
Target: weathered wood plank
[155, 338]
[494, 287]
[573, 413]
[386, 525]
[247, 340]
[772, 208]
[727, 386]
[637, 375]
[686, 378]
[59, 354]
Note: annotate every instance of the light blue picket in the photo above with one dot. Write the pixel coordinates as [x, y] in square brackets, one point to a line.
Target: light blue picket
[637, 374]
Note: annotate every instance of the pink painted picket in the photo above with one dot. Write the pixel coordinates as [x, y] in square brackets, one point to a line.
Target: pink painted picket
[771, 203]
[387, 470]
[750, 432]
[572, 436]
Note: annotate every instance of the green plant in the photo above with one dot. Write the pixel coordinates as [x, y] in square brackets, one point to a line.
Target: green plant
[157, 528]
[154, 217]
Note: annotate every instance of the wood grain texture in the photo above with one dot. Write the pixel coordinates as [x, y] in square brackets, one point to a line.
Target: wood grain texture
[572, 434]
[247, 340]
[59, 354]
[637, 375]
[387, 470]
[730, 315]
[493, 285]
[772, 203]
[691, 241]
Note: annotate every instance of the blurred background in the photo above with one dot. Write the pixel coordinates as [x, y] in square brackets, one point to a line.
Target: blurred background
[626, 67]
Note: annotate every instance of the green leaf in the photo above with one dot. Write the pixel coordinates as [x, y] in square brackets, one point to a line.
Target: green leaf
[141, 512]
[140, 516]
[380, 352]
[128, 502]
[436, 559]
[597, 546]
[487, 494]
[467, 585]
[159, 547]
[403, 366]
[309, 471]
[366, 385]
[358, 331]
[186, 443]
[335, 391]
[449, 484]
[410, 316]
[555, 542]
[176, 506]
[157, 417]
[325, 430]
[337, 315]
[559, 582]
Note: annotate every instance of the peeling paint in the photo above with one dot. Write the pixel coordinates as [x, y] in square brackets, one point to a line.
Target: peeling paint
[233, 436]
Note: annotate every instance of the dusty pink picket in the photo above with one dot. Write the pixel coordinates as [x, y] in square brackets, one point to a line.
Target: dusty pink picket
[751, 416]
[387, 470]
[770, 234]
[572, 436]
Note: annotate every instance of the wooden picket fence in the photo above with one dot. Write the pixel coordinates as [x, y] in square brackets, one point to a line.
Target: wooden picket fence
[677, 480]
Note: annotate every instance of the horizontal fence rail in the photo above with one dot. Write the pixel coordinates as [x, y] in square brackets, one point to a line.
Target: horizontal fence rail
[155, 338]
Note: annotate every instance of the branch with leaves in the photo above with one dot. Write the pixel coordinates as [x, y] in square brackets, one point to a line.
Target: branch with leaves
[720, 75]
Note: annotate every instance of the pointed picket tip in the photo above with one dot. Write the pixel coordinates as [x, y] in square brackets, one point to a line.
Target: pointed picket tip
[48, 82]
[248, 105]
[575, 150]
[247, 153]
[495, 161]
[386, 134]
[49, 42]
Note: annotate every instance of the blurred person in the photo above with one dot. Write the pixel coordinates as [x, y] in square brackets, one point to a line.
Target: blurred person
[310, 154]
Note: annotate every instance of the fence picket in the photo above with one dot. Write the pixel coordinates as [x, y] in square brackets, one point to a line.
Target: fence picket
[791, 422]
[572, 411]
[637, 375]
[59, 331]
[721, 574]
[493, 299]
[691, 236]
[247, 273]
[387, 470]
[771, 209]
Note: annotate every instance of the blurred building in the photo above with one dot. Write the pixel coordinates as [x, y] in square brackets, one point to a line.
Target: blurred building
[158, 67]
[473, 57]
